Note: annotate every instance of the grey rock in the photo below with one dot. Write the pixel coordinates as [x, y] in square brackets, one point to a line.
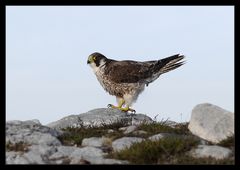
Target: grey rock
[27, 122]
[122, 128]
[78, 161]
[211, 122]
[62, 152]
[43, 150]
[110, 131]
[47, 139]
[34, 157]
[31, 132]
[159, 136]
[108, 161]
[125, 142]
[87, 151]
[94, 141]
[37, 154]
[10, 157]
[60, 161]
[99, 117]
[30, 157]
[138, 119]
[171, 123]
[16, 158]
[91, 154]
[21, 160]
[130, 129]
[214, 151]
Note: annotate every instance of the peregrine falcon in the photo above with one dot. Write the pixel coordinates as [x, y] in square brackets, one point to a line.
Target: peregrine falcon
[127, 79]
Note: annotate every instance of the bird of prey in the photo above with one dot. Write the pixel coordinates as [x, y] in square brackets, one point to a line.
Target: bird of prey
[127, 79]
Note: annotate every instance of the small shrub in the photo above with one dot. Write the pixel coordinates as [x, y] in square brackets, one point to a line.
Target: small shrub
[20, 146]
[164, 127]
[75, 135]
[228, 142]
[154, 152]
[186, 159]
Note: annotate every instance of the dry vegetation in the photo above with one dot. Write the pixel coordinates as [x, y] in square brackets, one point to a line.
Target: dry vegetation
[169, 150]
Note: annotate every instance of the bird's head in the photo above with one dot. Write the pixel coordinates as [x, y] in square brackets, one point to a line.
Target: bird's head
[96, 60]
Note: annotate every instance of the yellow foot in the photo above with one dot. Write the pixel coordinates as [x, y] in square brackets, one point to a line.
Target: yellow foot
[126, 109]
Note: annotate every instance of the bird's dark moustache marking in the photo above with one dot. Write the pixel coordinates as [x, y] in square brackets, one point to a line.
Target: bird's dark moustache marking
[98, 58]
[97, 62]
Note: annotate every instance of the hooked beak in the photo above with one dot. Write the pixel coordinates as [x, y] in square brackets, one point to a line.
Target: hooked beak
[90, 60]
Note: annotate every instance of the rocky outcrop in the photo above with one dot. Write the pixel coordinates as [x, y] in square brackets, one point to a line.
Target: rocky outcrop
[211, 122]
[30, 142]
[31, 132]
[98, 117]
[37, 144]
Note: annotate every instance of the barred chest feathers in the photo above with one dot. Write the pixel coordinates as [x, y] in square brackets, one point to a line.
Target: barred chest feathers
[113, 88]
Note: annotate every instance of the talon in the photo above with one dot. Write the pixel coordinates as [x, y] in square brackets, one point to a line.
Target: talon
[126, 109]
[110, 106]
[133, 111]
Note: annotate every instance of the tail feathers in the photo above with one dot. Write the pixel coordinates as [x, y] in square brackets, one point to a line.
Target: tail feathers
[169, 63]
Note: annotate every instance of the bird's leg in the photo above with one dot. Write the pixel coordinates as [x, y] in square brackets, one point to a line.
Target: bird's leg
[127, 108]
[119, 107]
[121, 102]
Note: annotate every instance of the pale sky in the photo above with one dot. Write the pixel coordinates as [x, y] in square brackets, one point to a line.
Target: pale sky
[47, 76]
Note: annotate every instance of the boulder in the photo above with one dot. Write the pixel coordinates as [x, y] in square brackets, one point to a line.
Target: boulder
[15, 158]
[125, 142]
[128, 129]
[159, 136]
[213, 151]
[31, 132]
[62, 152]
[98, 117]
[211, 122]
[90, 154]
[94, 141]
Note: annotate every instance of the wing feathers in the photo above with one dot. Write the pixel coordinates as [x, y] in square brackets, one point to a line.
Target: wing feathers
[170, 63]
[137, 72]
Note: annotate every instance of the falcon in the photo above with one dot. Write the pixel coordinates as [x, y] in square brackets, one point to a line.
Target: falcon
[127, 79]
